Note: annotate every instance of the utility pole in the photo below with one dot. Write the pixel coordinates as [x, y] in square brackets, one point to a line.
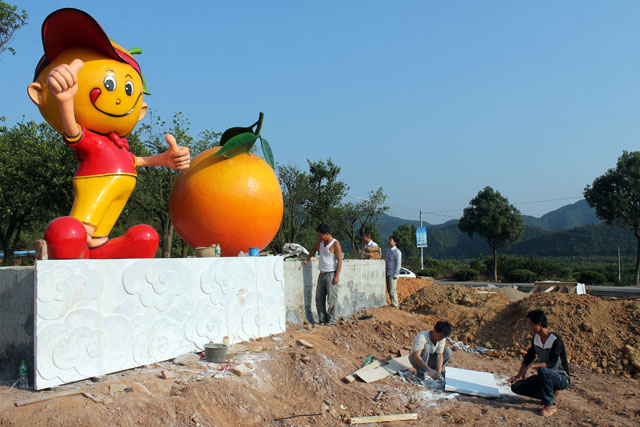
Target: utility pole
[619, 267]
[421, 248]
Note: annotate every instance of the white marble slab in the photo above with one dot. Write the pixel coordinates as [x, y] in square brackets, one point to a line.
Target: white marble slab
[95, 317]
[475, 383]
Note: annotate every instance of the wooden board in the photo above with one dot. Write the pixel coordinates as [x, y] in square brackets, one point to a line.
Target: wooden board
[383, 418]
[48, 397]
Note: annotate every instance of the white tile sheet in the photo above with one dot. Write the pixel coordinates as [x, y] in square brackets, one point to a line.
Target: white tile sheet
[475, 383]
[94, 317]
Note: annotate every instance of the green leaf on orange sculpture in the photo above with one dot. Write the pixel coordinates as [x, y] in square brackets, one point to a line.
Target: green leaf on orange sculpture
[239, 144]
[266, 151]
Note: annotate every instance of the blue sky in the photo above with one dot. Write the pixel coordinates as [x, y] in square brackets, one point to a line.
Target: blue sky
[430, 100]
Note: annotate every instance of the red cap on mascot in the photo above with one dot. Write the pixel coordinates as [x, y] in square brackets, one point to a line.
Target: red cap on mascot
[66, 28]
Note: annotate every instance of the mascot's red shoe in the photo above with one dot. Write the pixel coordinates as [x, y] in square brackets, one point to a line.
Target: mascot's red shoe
[140, 241]
[66, 239]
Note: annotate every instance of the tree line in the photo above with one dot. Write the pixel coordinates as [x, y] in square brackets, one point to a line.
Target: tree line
[36, 187]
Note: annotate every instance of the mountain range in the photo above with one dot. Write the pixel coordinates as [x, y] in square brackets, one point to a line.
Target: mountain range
[572, 230]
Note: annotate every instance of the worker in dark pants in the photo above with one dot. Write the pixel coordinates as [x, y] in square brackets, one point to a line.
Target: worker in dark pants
[551, 362]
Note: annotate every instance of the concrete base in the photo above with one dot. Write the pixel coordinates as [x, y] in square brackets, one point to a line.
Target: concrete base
[361, 286]
[17, 286]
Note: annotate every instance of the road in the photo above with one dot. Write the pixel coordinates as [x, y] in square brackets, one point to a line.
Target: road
[609, 291]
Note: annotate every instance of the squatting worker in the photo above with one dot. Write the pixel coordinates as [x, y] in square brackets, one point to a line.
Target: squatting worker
[392, 266]
[552, 365]
[429, 354]
[329, 264]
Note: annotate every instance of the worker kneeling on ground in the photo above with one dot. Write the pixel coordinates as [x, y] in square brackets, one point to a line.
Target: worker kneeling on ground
[429, 354]
[551, 363]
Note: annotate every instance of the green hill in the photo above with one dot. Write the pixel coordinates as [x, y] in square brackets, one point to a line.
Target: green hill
[571, 230]
[569, 216]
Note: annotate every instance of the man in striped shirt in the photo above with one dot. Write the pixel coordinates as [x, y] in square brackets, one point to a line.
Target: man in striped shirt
[551, 362]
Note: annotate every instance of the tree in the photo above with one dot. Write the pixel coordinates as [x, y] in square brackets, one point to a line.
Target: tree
[35, 181]
[616, 198]
[325, 192]
[491, 216]
[406, 235]
[295, 187]
[10, 22]
[362, 216]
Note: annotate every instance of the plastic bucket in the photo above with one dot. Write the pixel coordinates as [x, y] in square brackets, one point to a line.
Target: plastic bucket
[215, 353]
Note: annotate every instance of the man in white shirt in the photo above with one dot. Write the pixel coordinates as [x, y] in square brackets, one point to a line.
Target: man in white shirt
[368, 243]
[429, 354]
[330, 265]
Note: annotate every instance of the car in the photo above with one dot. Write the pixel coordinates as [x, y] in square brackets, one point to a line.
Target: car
[406, 273]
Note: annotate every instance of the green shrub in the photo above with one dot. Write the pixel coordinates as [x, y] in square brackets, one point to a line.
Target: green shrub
[591, 278]
[429, 272]
[521, 275]
[466, 274]
[544, 268]
[443, 267]
[480, 266]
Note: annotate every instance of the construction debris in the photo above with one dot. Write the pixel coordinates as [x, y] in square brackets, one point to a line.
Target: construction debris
[48, 397]
[188, 359]
[242, 370]
[140, 388]
[92, 397]
[117, 388]
[167, 374]
[296, 416]
[305, 343]
[350, 378]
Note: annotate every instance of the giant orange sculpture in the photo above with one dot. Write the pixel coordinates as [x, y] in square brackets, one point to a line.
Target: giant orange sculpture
[228, 196]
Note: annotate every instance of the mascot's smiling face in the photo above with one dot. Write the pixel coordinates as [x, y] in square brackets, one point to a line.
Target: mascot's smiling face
[109, 97]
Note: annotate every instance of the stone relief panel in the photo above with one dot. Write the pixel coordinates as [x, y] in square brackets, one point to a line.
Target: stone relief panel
[94, 317]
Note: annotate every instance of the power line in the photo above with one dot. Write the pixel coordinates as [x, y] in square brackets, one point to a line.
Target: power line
[441, 212]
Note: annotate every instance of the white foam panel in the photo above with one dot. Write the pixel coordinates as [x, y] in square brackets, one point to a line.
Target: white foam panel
[475, 383]
[94, 317]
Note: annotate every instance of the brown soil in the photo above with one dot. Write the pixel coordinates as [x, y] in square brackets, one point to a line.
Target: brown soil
[596, 331]
[407, 286]
[290, 379]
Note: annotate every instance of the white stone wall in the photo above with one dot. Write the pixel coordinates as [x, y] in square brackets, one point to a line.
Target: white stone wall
[362, 285]
[93, 317]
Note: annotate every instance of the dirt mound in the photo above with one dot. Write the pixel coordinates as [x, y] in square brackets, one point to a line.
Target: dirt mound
[408, 286]
[596, 331]
[511, 293]
[295, 385]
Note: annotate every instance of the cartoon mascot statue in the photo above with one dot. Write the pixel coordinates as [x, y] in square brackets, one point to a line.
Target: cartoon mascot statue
[91, 91]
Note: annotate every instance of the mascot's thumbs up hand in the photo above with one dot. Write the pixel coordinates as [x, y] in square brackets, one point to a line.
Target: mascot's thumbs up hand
[63, 80]
[175, 157]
